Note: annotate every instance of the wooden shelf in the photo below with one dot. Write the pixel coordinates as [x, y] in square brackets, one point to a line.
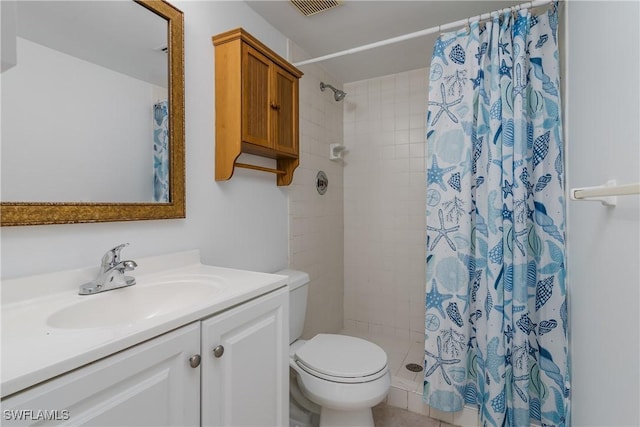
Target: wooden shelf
[259, 168]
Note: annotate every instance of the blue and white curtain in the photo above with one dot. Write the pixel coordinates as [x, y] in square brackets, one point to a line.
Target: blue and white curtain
[496, 307]
[161, 152]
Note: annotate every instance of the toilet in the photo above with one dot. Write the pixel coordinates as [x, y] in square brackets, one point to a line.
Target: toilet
[340, 377]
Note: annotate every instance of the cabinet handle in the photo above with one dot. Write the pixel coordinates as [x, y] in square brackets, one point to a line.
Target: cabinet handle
[275, 106]
[218, 351]
[194, 361]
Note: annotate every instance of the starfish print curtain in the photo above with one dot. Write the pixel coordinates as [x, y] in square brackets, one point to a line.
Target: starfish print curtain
[496, 309]
[161, 152]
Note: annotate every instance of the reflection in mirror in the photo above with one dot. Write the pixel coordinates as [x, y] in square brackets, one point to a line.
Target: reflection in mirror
[92, 111]
[67, 90]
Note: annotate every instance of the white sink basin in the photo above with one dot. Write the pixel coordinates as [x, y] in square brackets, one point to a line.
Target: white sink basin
[124, 306]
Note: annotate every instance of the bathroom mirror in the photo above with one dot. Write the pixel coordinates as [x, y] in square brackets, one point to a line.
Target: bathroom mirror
[92, 111]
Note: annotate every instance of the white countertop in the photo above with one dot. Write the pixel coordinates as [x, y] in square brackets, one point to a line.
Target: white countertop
[33, 351]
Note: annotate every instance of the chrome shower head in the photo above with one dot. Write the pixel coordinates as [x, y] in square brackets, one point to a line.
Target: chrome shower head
[338, 95]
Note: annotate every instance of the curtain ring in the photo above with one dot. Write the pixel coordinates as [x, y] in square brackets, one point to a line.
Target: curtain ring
[468, 26]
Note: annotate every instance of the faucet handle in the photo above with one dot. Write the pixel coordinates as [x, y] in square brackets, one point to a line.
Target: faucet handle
[112, 257]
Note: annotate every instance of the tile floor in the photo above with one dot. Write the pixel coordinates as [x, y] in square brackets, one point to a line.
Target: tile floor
[390, 416]
[406, 386]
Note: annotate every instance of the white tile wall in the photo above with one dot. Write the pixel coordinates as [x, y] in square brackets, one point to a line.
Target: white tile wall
[384, 204]
[316, 222]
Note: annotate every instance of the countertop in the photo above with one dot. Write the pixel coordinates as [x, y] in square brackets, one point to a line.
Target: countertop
[33, 351]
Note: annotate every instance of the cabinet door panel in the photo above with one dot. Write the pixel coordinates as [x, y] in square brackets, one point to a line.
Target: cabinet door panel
[255, 97]
[248, 384]
[286, 115]
[150, 384]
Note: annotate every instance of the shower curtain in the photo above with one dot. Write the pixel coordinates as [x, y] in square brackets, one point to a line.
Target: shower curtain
[161, 152]
[496, 310]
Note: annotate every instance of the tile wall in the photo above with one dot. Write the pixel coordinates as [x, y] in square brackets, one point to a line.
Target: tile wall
[384, 204]
[316, 221]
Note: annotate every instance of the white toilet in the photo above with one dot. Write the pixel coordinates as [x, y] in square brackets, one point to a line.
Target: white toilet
[342, 377]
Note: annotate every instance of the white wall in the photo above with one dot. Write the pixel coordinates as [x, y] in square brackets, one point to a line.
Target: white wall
[8, 47]
[603, 115]
[240, 223]
[384, 192]
[42, 130]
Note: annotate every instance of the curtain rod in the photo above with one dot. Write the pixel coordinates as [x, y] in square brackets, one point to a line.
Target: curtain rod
[421, 33]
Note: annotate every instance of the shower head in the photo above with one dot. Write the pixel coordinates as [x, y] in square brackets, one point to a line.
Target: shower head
[338, 95]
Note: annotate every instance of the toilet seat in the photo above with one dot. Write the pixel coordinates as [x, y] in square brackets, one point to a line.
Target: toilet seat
[342, 359]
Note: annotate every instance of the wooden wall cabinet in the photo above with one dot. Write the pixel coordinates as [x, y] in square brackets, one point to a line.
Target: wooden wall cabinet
[256, 105]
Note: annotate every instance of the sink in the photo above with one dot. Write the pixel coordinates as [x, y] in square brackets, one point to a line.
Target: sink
[125, 306]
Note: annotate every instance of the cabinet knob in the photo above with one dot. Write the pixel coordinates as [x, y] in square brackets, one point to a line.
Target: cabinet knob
[275, 106]
[218, 351]
[194, 361]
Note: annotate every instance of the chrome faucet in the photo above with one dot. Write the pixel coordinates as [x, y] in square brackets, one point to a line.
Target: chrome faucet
[111, 274]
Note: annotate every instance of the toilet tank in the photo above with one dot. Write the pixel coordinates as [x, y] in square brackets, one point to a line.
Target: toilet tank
[298, 289]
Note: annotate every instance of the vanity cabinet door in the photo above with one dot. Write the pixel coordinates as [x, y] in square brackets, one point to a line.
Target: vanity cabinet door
[151, 384]
[245, 364]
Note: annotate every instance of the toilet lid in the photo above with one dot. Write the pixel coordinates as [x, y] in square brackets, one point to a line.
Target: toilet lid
[342, 356]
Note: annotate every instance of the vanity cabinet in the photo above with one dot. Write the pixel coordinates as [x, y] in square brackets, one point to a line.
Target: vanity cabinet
[256, 105]
[176, 379]
[151, 384]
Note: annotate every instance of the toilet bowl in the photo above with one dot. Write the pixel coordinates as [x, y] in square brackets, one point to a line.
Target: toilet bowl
[302, 411]
[344, 376]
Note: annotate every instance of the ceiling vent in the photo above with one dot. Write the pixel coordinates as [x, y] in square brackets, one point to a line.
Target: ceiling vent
[311, 7]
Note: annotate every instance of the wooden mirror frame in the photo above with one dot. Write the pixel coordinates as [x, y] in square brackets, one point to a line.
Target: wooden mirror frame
[36, 213]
